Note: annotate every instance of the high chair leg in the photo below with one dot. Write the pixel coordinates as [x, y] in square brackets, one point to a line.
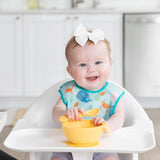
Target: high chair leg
[82, 155]
[135, 156]
[32, 156]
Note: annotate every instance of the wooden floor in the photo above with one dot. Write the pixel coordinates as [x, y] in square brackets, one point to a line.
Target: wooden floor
[154, 154]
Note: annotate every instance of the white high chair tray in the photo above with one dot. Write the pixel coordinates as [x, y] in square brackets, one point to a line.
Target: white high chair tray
[126, 140]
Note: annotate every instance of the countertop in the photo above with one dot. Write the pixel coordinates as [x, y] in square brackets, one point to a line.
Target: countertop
[82, 11]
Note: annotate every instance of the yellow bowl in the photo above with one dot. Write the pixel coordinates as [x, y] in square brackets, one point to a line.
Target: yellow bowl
[82, 133]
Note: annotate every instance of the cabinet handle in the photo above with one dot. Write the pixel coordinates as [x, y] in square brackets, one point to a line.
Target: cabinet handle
[17, 18]
[67, 18]
[76, 17]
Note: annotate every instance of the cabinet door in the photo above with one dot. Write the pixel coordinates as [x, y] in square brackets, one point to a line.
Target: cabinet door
[45, 38]
[112, 27]
[11, 55]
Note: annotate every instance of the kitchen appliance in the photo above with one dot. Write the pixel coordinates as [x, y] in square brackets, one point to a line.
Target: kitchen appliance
[142, 55]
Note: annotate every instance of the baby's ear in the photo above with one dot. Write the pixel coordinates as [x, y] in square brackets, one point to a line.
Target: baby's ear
[68, 70]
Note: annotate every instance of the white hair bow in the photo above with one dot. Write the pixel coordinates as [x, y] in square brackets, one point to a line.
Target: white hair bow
[82, 35]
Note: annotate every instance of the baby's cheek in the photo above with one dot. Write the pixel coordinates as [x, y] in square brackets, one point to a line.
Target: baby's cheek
[105, 74]
[79, 76]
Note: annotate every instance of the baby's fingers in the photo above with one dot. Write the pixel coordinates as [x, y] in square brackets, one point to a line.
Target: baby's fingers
[72, 114]
[69, 114]
[98, 121]
[81, 111]
[76, 114]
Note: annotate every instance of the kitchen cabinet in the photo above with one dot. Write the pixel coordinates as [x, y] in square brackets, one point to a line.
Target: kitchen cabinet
[44, 51]
[11, 68]
[35, 54]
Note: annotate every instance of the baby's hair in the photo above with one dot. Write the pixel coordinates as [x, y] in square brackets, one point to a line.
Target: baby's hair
[72, 44]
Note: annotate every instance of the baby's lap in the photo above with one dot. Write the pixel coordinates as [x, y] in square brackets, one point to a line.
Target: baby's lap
[68, 155]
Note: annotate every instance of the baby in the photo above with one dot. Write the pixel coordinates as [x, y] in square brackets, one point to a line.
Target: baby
[89, 64]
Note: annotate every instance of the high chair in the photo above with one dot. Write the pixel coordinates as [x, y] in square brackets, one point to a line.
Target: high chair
[35, 132]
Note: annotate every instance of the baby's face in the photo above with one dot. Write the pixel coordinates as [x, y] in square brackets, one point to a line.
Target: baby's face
[90, 66]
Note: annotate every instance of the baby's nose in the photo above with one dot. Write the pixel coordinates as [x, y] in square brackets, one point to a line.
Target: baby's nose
[91, 68]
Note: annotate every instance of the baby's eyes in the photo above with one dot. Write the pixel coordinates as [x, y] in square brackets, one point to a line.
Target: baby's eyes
[82, 65]
[98, 62]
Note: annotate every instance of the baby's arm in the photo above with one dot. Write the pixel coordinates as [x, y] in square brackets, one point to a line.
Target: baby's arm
[58, 110]
[116, 120]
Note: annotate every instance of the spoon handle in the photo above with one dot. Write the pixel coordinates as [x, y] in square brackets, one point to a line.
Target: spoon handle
[106, 127]
[92, 112]
[65, 118]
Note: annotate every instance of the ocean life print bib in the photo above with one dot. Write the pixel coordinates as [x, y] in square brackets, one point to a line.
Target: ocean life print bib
[105, 99]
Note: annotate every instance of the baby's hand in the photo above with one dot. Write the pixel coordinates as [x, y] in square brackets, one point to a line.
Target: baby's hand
[73, 113]
[98, 121]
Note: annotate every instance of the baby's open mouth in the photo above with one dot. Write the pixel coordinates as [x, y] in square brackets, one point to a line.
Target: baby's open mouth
[92, 78]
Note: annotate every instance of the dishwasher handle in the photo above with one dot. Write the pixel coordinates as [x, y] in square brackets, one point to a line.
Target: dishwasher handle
[142, 19]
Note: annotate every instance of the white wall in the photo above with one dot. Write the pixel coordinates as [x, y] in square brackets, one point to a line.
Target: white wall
[130, 3]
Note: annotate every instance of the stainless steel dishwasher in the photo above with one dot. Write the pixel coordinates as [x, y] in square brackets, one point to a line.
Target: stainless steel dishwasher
[142, 55]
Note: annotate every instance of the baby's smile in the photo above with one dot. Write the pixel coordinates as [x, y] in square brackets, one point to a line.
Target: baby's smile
[92, 78]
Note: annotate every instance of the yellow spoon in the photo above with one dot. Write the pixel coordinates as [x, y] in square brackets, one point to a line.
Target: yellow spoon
[92, 112]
